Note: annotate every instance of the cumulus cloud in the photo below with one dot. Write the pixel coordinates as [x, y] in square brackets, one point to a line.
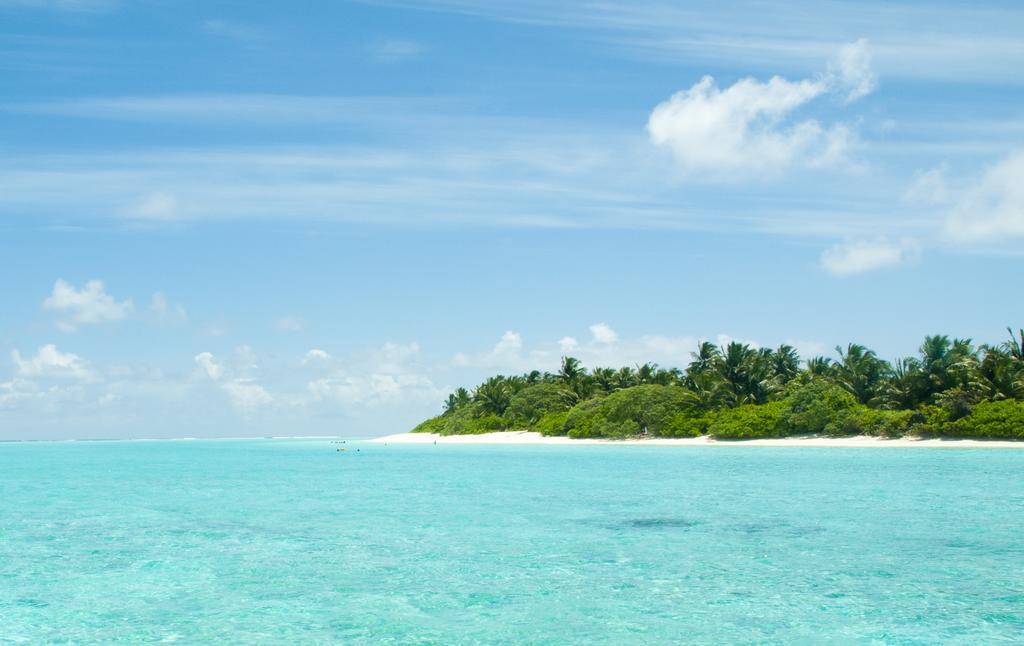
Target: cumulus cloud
[605, 348]
[376, 388]
[395, 357]
[603, 334]
[991, 209]
[88, 305]
[316, 355]
[244, 393]
[206, 361]
[746, 130]
[507, 352]
[288, 324]
[164, 310]
[50, 362]
[859, 256]
[13, 392]
[850, 71]
[387, 375]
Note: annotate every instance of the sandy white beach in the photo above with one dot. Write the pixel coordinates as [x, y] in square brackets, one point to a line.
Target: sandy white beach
[861, 441]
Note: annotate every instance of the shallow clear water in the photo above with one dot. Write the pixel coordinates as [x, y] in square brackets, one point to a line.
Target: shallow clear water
[281, 541]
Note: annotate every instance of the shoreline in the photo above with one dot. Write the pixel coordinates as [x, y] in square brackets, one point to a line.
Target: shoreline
[536, 439]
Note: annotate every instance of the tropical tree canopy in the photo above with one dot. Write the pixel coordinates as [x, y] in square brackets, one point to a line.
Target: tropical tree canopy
[738, 390]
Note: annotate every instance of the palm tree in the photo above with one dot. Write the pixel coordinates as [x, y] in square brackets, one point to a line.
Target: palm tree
[604, 379]
[819, 366]
[903, 389]
[570, 370]
[457, 400]
[785, 363]
[708, 389]
[645, 374]
[1015, 348]
[704, 359]
[493, 395]
[625, 378]
[1000, 375]
[861, 372]
[746, 373]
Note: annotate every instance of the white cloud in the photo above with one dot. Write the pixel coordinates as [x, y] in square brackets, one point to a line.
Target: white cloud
[158, 205]
[992, 209]
[164, 310]
[745, 130]
[394, 357]
[858, 256]
[288, 324]
[231, 30]
[567, 344]
[61, 5]
[206, 361]
[376, 388]
[929, 187]
[506, 353]
[50, 362]
[807, 349]
[603, 334]
[15, 391]
[91, 304]
[395, 50]
[242, 390]
[316, 355]
[850, 71]
[386, 375]
[247, 395]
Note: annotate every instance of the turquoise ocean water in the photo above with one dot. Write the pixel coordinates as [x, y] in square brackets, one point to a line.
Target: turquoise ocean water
[289, 541]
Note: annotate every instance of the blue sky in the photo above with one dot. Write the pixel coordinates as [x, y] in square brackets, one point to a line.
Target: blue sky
[237, 219]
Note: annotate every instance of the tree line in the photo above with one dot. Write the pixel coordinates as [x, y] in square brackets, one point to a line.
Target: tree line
[951, 387]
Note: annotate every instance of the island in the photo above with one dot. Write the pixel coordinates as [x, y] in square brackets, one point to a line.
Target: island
[950, 389]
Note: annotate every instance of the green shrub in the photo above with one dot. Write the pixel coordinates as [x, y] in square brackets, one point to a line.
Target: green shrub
[615, 430]
[551, 423]
[747, 421]
[935, 422]
[1001, 419]
[649, 407]
[884, 423]
[534, 402]
[581, 418]
[432, 425]
[471, 420]
[817, 406]
[685, 425]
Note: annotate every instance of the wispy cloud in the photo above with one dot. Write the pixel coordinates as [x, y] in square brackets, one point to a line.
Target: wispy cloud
[59, 5]
[232, 30]
[989, 209]
[288, 324]
[962, 42]
[396, 50]
[241, 108]
[859, 256]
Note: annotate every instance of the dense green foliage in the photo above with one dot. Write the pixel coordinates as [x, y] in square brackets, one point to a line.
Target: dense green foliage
[951, 388]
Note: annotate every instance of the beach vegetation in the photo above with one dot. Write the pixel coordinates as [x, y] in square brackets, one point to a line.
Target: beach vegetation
[950, 387]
